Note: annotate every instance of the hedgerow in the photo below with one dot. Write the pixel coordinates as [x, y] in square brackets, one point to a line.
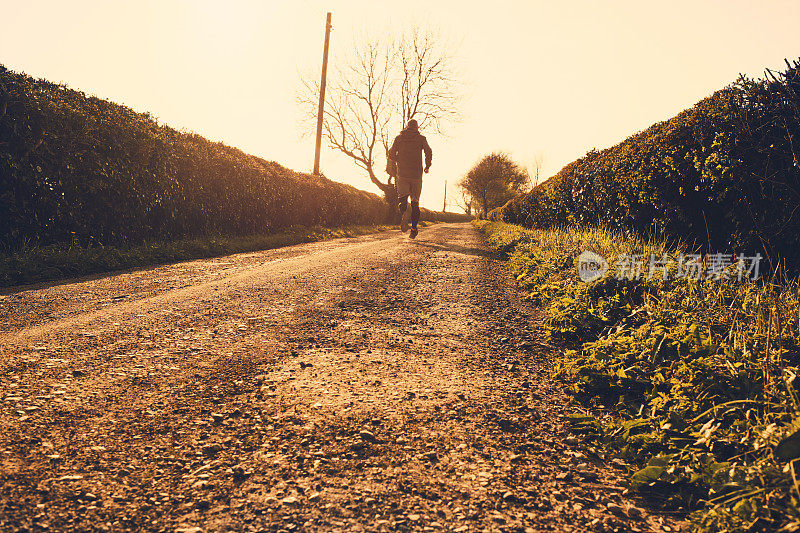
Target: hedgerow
[76, 169]
[724, 175]
[691, 380]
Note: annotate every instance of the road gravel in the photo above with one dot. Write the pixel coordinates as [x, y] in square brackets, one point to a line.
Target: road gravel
[375, 383]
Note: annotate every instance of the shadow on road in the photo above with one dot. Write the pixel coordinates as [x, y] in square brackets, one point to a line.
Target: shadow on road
[47, 284]
[448, 247]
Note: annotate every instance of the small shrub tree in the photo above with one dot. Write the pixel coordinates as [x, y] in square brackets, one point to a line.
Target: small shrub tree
[493, 181]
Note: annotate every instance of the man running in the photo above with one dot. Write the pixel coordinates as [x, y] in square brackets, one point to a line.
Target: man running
[406, 151]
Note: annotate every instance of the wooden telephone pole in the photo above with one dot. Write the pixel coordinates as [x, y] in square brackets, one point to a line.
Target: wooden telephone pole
[322, 93]
[444, 205]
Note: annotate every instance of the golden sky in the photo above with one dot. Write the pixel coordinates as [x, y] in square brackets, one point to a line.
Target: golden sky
[542, 77]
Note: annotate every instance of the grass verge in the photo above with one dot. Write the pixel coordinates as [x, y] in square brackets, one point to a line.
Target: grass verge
[47, 263]
[691, 381]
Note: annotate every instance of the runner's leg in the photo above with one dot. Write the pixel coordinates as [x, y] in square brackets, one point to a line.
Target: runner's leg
[404, 189]
[416, 190]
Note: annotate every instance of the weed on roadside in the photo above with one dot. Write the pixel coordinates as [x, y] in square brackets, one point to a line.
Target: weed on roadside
[35, 264]
[697, 376]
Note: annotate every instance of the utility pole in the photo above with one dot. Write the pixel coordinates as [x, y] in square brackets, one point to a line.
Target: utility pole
[322, 94]
[444, 205]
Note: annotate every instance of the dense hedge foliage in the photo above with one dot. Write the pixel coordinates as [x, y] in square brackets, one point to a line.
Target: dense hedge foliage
[722, 175]
[691, 381]
[75, 168]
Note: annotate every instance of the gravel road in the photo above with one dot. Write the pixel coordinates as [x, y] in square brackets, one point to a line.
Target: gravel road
[375, 383]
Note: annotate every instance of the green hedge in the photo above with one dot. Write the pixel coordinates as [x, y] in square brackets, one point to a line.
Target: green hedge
[75, 168]
[723, 175]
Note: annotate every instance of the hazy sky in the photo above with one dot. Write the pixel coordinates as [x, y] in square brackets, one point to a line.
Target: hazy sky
[543, 77]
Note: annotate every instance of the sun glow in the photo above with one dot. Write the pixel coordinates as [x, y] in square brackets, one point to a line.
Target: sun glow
[550, 79]
[228, 26]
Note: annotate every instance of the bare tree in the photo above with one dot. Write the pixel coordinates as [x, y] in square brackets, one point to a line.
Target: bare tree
[427, 90]
[357, 106]
[536, 168]
[376, 89]
[465, 201]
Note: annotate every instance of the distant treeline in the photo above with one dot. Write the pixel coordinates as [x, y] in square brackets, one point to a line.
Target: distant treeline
[723, 175]
[76, 168]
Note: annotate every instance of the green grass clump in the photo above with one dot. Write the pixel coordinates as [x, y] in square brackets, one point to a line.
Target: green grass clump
[697, 376]
[36, 264]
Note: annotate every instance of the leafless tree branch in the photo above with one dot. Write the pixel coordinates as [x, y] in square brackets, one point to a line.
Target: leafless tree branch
[377, 88]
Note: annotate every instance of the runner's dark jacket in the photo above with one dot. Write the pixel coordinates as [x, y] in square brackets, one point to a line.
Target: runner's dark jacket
[407, 151]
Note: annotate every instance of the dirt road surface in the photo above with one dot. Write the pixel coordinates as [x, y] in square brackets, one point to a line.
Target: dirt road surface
[365, 384]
